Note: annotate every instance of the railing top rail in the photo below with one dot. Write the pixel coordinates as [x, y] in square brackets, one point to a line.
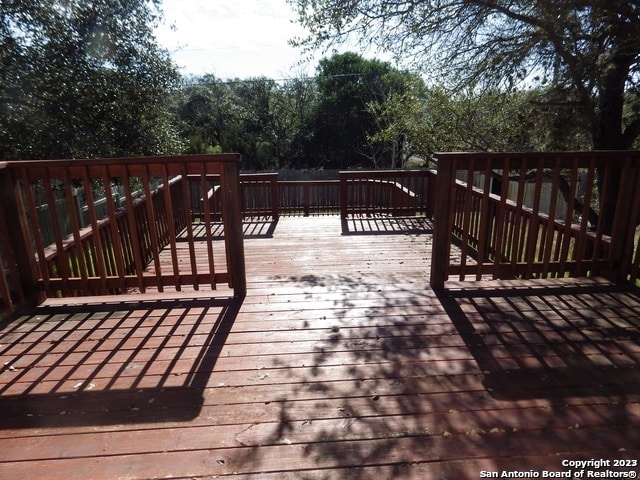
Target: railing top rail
[496, 160]
[258, 176]
[125, 166]
[308, 182]
[215, 157]
[382, 173]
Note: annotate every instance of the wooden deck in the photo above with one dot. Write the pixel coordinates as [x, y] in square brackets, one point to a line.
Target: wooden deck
[340, 363]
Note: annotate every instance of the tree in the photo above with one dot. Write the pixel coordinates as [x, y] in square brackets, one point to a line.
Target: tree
[346, 118]
[588, 49]
[83, 79]
[255, 117]
[204, 111]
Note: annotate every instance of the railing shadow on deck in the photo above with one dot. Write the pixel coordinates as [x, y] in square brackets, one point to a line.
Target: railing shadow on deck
[378, 225]
[252, 227]
[156, 372]
[545, 342]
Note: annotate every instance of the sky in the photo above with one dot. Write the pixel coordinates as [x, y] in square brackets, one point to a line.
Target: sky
[233, 38]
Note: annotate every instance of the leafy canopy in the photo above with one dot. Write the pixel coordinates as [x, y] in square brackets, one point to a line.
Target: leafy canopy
[83, 79]
[588, 50]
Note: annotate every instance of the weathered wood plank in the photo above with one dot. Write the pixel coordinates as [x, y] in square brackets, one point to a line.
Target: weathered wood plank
[339, 363]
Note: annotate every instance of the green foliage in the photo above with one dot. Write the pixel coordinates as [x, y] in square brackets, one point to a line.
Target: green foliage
[365, 113]
[586, 52]
[351, 92]
[413, 120]
[258, 118]
[83, 79]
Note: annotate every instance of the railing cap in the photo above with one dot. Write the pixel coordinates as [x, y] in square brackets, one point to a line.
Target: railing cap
[498, 160]
[216, 157]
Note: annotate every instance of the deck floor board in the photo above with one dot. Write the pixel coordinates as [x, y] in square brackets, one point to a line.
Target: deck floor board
[340, 363]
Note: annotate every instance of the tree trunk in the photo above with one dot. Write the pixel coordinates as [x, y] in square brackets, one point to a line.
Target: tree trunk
[608, 135]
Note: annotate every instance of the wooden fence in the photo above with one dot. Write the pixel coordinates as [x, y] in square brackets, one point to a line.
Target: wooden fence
[113, 254]
[501, 237]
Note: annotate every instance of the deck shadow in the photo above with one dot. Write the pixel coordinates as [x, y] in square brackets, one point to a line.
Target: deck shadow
[255, 227]
[551, 343]
[111, 363]
[363, 225]
[252, 227]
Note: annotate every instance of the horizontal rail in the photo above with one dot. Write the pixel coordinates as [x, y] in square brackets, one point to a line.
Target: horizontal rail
[126, 167]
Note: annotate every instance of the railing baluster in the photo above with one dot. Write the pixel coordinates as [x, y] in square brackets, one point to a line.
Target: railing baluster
[485, 223]
[43, 265]
[61, 259]
[168, 205]
[518, 221]
[566, 251]
[136, 244]
[548, 239]
[534, 224]
[118, 249]
[93, 220]
[207, 225]
[466, 219]
[186, 200]
[153, 229]
[583, 237]
[603, 199]
[80, 261]
[275, 201]
[500, 219]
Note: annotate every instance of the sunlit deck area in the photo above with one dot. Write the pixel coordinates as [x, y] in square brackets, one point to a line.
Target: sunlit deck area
[340, 363]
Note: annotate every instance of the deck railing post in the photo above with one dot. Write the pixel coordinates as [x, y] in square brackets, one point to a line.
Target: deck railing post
[620, 255]
[306, 198]
[344, 196]
[15, 216]
[431, 182]
[232, 218]
[275, 201]
[442, 211]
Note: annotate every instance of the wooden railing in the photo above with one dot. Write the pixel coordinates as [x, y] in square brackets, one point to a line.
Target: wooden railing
[386, 192]
[119, 252]
[500, 236]
[311, 197]
[382, 192]
[258, 195]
